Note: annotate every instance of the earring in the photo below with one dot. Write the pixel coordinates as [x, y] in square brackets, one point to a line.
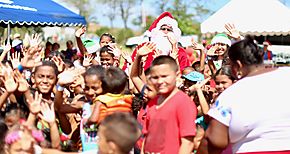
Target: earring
[239, 74]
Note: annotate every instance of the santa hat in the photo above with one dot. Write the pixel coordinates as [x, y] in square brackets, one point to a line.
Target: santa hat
[267, 43]
[221, 38]
[164, 19]
[90, 45]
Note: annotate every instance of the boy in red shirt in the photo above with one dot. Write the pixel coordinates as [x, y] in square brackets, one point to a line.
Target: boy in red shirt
[169, 126]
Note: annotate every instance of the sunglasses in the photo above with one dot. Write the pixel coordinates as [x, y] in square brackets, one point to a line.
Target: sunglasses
[167, 29]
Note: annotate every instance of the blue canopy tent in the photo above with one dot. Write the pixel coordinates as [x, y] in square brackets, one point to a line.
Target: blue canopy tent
[36, 13]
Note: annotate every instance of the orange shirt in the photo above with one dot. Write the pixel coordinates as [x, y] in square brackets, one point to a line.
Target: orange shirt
[113, 103]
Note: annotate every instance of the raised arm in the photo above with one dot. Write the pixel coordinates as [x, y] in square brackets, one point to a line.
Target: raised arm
[6, 49]
[80, 44]
[48, 115]
[200, 47]
[135, 72]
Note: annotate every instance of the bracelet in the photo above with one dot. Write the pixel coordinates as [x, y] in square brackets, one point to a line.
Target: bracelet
[20, 68]
[59, 88]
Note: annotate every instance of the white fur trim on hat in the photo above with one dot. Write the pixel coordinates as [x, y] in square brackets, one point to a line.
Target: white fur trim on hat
[221, 38]
[169, 22]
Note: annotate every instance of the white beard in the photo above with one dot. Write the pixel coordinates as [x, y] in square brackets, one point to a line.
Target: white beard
[161, 41]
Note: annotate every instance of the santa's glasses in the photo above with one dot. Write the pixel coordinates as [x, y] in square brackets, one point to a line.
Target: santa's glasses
[166, 29]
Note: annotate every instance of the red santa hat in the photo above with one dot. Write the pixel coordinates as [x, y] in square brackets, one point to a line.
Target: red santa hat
[267, 43]
[164, 19]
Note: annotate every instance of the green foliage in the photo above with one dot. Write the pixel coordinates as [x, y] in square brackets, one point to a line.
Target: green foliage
[123, 34]
[102, 30]
[149, 21]
[85, 6]
[138, 22]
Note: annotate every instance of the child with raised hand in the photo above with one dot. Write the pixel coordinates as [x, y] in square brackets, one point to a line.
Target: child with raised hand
[143, 85]
[169, 126]
[117, 133]
[25, 138]
[105, 40]
[94, 83]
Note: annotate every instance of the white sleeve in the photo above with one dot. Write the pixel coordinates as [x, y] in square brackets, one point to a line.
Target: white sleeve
[221, 111]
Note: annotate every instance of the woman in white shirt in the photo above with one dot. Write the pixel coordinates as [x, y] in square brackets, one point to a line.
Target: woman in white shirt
[252, 114]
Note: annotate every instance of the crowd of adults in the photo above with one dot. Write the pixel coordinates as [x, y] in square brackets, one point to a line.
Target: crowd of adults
[161, 101]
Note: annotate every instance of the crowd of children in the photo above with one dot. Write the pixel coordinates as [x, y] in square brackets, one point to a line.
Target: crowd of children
[158, 103]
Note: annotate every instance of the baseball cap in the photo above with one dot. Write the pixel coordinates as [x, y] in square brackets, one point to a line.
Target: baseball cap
[194, 76]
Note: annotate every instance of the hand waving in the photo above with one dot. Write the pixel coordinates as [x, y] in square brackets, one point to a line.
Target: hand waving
[80, 31]
[196, 46]
[127, 56]
[174, 54]
[232, 31]
[7, 48]
[198, 86]
[34, 106]
[146, 49]
[15, 59]
[59, 63]
[116, 51]
[23, 85]
[212, 51]
[34, 41]
[172, 38]
[88, 60]
[69, 76]
[47, 113]
[9, 82]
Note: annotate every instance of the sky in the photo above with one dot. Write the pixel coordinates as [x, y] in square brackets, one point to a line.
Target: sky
[213, 5]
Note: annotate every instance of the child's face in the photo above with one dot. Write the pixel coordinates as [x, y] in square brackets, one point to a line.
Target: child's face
[45, 79]
[104, 146]
[25, 145]
[187, 84]
[221, 48]
[106, 59]
[105, 40]
[12, 118]
[222, 83]
[149, 92]
[93, 86]
[163, 81]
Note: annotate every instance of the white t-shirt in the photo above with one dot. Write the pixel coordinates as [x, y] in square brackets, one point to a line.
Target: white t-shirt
[257, 111]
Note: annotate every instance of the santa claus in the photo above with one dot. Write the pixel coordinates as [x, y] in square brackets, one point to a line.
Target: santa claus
[164, 32]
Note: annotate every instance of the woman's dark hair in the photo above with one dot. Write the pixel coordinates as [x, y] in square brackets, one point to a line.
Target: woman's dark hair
[225, 70]
[3, 130]
[115, 79]
[246, 51]
[106, 49]
[68, 62]
[108, 35]
[57, 54]
[47, 63]
[99, 71]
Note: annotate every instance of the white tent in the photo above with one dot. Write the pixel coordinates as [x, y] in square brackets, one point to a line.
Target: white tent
[257, 17]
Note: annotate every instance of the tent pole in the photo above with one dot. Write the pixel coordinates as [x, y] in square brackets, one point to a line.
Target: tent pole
[8, 38]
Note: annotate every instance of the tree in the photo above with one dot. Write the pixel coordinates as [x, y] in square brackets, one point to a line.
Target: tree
[84, 6]
[162, 5]
[180, 12]
[112, 12]
[188, 13]
[148, 21]
[125, 7]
